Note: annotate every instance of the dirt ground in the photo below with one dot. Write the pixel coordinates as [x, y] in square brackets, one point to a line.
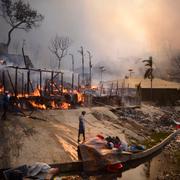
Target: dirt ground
[51, 135]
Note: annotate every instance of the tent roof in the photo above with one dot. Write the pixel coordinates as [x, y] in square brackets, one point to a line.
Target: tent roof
[145, 83]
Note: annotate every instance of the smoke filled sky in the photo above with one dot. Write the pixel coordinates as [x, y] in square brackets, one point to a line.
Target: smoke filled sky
[117, 32]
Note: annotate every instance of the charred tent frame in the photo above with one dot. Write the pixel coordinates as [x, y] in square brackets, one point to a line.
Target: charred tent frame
[28, 87]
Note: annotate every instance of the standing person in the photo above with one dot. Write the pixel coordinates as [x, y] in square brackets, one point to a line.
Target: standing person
[5, 105]
[81, 126]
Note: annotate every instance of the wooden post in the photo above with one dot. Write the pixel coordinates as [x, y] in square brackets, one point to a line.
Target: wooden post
[25, 88]
[22, 85]
[3, 80]
[11, 81]
[31, 85]
[90, 69]
[82, 54]
[101, 90]
[78, 82]
[128, 89]
[15, 83]
[40, 82]
[62, 83]
[52, 76]
[72, 81]
[72, 70]
[111, 90]
[117, 89]
[24, 54]
[28, 80]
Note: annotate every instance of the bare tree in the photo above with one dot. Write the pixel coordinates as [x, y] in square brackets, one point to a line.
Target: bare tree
[19, 15]
[59, 47]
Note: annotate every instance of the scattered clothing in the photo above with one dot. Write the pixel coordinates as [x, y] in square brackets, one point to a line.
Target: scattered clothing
[136, 148]
[38, 171]
[113, 142]
[38, 168]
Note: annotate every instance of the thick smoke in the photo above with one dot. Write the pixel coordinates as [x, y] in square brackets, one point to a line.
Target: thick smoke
[119, 33]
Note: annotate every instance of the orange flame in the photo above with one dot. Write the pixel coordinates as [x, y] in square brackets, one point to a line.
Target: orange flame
[65, 90]
[1, 89]
[65, 106]
[39, 106]
[36, 92]
[79, 95]
[53, 104]
[94, 87]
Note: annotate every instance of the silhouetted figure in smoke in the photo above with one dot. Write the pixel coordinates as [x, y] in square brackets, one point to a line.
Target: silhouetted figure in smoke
[81, 126]
[6, 99]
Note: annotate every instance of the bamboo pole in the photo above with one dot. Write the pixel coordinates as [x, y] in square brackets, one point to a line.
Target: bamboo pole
[62, 83]
[33, 69]
[15, 83]
[117, 88]
[40, 82]
[52, 82]
[28, 80]
[11, 81]
[22, 85]
[3, 80]
[111, 90]
[78, 82]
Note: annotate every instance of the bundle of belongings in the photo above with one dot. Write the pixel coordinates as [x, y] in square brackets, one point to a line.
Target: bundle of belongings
[99, 152]
[39, 171]
[115, 142]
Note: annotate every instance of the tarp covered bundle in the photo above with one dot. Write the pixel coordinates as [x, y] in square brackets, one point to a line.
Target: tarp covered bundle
[96, 155]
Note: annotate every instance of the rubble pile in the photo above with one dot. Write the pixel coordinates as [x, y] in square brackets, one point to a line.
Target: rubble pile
[152, 120]
[156, 121]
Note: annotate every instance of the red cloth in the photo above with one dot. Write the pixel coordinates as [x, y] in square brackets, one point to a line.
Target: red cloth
[114, 167]
[100, 136]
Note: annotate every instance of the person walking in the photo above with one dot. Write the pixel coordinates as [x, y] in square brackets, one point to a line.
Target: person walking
[81, 126]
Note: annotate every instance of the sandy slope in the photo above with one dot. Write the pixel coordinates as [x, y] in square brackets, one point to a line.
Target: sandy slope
[51, 136]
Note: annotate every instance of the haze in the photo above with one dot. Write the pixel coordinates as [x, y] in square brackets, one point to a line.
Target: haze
[117, 32]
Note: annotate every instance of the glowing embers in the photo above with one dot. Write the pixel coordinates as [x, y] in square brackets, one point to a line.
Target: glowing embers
[53, 105]
[80, 96]
[1, 89]
[38, 105]
[36, 92]
[65, 106]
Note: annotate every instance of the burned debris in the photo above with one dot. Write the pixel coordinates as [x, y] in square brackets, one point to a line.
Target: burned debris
[49, 93]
